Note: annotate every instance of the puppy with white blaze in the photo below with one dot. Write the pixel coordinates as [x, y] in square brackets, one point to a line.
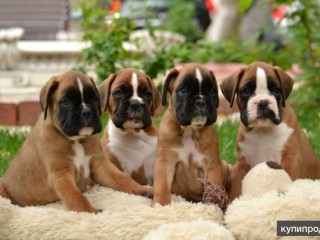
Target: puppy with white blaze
[269, 129]
[130, 137]
[62, 156]
[188, 148]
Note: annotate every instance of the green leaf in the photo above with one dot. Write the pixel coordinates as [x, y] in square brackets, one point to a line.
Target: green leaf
[243, 5]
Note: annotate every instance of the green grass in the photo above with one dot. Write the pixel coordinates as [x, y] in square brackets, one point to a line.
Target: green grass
[227, 134]
[308, 114]
[10, 142]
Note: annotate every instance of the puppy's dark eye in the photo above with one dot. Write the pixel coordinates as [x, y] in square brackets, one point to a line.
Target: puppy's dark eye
[96, 99]
[245, 92]
[276, 91]
[182, 91]
[212, 91]
[118, 93]
[148, 94]
[66, 102]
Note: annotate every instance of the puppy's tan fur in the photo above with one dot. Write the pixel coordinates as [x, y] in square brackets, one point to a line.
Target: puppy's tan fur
[297, 155]
[146, 139]
[171, 175]
[43, 170]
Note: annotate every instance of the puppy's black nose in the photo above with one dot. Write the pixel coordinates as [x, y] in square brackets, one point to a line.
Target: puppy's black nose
[200, 103]
[263, 104]
[135, 105]
[86, 113]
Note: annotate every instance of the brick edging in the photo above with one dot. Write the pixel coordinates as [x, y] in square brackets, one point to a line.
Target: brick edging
[26, 113]
[22, 114]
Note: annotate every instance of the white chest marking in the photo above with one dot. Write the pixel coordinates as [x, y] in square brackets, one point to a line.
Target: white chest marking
[80, 86]
[135, 85]
[133, 149]
[265, 144]
[80, 159]
[189, 152]
[200, 78]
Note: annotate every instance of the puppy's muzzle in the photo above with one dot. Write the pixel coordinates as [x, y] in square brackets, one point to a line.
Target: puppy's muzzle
[135, 106]
[201, 107]
[86, 116]
[86, 113]
[263, 104]
[201, 103]
[265, 112]
[135, 109]
[263, 109]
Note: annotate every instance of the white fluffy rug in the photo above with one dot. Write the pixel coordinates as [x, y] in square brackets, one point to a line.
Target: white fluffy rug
[131, 217]
[124, 216]
[251, 217]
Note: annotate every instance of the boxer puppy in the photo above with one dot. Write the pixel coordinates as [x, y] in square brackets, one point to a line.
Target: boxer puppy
[269, 129]
[63, 152]
[130, 137]
[188, 142]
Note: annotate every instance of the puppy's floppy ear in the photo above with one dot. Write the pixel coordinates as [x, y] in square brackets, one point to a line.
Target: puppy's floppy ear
[286, 84]
[104, 91]
[46, 93]
[155, 96]
[216, 86]
[172, 75]
[230, 85]
[96, 89]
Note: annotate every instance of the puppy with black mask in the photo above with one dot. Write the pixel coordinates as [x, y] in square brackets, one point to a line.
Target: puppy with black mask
[188, 143]
[130, 137]
[269, 129]
[63, 153]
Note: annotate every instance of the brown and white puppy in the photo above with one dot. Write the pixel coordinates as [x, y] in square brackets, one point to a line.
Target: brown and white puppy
[269, 129]
[63, 153]
[188, 143]
[130, 137]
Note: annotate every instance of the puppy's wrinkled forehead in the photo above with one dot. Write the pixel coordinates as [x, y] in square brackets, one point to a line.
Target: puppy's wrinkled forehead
[260, 75]
[194, 76]
[127, 75]
[74, 81]
[132, 79]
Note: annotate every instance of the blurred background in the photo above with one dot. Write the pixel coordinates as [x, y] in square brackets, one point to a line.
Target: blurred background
[41, 38]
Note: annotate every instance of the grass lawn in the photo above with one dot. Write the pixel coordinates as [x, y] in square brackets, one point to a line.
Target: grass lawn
[10, 142]
[308, 115]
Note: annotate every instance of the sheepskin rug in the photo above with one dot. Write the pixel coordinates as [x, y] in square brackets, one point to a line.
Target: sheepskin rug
[255, 217]
[124, 216]
[127, 216]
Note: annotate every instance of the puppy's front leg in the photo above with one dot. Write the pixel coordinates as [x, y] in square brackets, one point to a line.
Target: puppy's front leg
[163, 176]
[292, 159]
[215, 175]
[66, 189]
[106, 174]
[237, 174]
[3, 191]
